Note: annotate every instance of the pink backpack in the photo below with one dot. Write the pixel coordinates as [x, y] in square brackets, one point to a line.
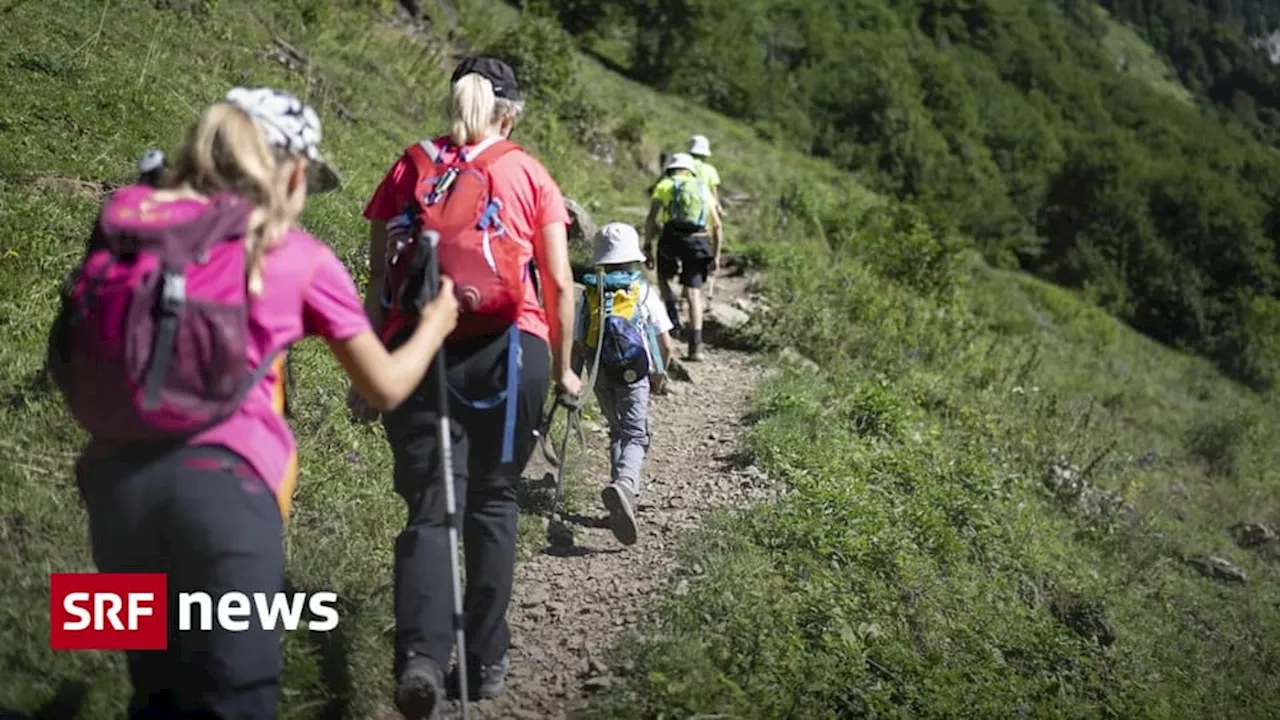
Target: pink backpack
[151, 341]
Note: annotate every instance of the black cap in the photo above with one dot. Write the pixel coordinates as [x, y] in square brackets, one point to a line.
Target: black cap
[493, 70]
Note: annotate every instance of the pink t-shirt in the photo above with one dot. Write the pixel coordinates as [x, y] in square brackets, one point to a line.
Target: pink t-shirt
[306, 292]
[531, 201]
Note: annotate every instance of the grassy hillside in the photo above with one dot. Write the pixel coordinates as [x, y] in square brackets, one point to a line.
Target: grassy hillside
[1133, 56]
[92, 86]
[1212, 48]
[918, 564]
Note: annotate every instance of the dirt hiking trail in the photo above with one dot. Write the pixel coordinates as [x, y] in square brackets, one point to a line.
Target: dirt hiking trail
[569, 607]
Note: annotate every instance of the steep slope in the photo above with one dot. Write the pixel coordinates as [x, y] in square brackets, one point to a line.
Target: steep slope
[93, 86]
[1044, 131]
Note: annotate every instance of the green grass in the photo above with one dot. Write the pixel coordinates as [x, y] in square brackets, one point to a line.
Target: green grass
[98, 84]
[915, 567]
[93, 85]
[918, 566]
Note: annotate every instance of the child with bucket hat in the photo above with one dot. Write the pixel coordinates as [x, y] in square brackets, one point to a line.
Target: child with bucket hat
[622, 318]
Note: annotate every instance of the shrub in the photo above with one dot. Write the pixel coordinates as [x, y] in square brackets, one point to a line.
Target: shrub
[1221, 441]
[1251, 350]
[543, 58]
[898, 241]
[631, 130]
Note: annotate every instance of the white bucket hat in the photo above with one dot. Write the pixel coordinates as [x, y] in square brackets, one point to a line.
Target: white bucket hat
[700, 145]
[681, 161]
[289, 124]
[617, 243]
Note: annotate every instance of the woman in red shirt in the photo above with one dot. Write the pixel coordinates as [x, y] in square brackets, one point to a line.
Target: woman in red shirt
[484, 107]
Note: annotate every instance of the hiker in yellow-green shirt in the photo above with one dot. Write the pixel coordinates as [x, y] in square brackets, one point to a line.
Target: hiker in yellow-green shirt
[688, 210]
[700, 149]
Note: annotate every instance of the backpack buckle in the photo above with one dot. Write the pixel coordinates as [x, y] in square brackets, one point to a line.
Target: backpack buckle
[173, 293]
[489, 218]
[442, 186]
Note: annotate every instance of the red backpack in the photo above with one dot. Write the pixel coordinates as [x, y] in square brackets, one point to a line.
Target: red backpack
[454, 197]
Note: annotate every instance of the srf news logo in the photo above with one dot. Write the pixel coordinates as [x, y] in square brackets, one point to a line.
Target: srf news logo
[129, 611]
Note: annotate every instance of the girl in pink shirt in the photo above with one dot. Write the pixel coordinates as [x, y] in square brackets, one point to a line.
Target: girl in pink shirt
[209, 513]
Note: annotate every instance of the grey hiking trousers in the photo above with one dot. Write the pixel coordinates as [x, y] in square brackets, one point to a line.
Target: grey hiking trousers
[626, 408]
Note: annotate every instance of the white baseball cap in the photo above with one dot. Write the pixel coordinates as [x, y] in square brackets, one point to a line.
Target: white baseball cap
[681, 161]
[617, 243]
[291, 125]
[700, 145]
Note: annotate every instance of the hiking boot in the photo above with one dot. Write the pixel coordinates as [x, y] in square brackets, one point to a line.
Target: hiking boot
[491, 683]
[622, 516]
[420, 688]
[695, 352]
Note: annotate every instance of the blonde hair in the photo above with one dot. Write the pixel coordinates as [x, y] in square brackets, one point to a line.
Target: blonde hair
[474, 109]
[225, 151]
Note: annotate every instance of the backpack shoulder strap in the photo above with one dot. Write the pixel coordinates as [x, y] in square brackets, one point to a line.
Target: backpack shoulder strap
[490, 151]
[650, 331]
[636, 291]
[424, 155]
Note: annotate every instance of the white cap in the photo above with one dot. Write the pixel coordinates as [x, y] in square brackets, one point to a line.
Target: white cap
[700, 145]
[681, 161]
[291, 125]
[617, 243]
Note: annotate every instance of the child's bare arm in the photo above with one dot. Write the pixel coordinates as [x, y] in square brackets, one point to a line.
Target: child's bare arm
[668, 348]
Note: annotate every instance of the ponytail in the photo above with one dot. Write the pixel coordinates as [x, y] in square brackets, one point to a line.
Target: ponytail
[225, 151]
[471, 108]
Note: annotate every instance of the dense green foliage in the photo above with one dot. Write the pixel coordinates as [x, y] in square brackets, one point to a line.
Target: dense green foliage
[1214, 46]
[1007, 120]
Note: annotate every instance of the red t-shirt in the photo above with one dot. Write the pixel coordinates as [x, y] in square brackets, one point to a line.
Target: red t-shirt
[531, 200]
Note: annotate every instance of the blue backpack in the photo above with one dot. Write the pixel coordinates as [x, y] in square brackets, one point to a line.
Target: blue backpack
[627, 344]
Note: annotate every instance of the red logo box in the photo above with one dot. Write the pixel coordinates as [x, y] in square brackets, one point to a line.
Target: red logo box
[108, 611]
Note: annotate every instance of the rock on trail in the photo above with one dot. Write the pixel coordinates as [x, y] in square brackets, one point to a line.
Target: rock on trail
[568, 609]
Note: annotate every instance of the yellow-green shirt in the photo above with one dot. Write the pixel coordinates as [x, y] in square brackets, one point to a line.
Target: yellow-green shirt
[664, 192]
[708, 173]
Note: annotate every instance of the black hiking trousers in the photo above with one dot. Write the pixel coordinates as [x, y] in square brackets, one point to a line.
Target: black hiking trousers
[206, 519]
[486, 493]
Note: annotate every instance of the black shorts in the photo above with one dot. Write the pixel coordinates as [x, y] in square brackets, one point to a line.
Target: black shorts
[686, 255]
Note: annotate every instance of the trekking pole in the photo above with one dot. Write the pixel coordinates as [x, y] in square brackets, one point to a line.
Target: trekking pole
[432, 239]
[558, 533]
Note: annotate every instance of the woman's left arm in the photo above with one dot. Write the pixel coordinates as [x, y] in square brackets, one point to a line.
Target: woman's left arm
[551, 253]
